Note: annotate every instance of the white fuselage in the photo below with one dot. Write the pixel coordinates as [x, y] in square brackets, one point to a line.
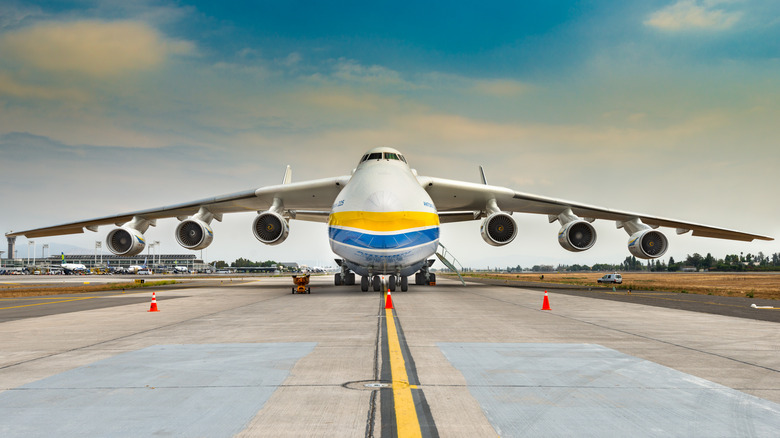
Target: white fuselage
[383, 221]
[73, 267]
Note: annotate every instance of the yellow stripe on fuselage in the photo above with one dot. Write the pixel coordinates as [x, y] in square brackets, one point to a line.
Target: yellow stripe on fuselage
[383, 221]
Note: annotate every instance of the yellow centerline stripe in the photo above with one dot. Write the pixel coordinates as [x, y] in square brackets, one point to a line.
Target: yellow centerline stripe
[406, 420]
[50, 302]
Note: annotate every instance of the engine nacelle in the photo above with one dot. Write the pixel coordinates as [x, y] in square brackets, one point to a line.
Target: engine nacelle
[577, 236]
[125, 241]
[647, 244]
[194, 234]
[270, 228]
[498, 229]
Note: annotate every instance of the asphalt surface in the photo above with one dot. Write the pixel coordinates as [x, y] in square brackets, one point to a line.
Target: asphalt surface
[739, 307]
[245, 357]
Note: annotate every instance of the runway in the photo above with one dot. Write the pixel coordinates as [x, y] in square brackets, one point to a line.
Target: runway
[247, 358]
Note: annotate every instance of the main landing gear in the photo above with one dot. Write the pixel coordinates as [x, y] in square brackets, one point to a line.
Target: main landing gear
[393, 282]
[421, 280]
[347, 279]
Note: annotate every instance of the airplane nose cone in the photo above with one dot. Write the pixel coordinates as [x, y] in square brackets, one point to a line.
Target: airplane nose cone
[383, 201]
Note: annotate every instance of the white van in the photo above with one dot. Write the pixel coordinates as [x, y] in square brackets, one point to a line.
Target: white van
[611, 278]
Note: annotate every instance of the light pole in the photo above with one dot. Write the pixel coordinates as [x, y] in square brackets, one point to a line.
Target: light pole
[157, 251]
[43, 251]
[30, 242]
[98, 244]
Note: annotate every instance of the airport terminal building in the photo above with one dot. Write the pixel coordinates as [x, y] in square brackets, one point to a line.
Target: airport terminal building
[106, 261]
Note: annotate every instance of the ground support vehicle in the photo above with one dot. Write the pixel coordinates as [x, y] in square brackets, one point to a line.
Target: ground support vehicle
[301, 284]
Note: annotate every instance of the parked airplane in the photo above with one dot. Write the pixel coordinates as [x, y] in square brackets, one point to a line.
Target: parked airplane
[72, 268]
[384, 218]
[132, 269]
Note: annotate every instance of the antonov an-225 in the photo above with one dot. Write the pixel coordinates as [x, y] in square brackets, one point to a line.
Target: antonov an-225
[384, 219]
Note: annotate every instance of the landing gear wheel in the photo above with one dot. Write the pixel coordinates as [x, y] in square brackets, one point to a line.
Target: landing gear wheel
[404, 283]
[350, 280]
[377, 283]
[419, 279]
[337, 280]
[391, 283]
[431, 279]
[364, 283]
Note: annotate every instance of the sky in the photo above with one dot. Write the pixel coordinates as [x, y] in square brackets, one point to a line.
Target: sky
[668, 108]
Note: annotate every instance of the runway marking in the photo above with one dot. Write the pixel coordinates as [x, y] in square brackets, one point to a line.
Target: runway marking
[558, 388]
[212, 390]
[49, 302]
[407, 423]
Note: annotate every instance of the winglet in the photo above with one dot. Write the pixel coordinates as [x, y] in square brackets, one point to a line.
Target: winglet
[482, 175]
[287, 175]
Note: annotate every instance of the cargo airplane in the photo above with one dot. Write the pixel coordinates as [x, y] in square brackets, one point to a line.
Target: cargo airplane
[384, 219]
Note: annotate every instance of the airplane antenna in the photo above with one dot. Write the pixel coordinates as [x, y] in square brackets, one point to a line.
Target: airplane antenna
[482, 175]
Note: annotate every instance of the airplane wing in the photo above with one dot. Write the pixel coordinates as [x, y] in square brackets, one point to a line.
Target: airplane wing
[314, 199]
[461, 201]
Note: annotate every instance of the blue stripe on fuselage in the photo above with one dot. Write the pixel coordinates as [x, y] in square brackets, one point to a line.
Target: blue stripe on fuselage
[384, 241]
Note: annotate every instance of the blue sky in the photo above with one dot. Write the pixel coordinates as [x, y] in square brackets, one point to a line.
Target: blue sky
[663, 107]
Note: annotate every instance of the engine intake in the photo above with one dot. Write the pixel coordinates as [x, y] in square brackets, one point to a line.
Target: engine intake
[125, 241]
[648, 244]
[270, 228]
[577, 236]
[498, 229]
[194, 234]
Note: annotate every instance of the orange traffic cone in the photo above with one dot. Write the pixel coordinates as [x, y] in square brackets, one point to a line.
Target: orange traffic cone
[389, 301]
[154, 303]
[546, 303]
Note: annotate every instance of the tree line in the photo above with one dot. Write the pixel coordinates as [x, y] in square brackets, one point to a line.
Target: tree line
[693, 262]
[245, 263]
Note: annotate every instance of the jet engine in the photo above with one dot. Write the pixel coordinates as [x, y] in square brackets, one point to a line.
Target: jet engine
[577, 235]
[194, 234]
[125, 241]
[498, 229]
[270, 228]
[647, 244]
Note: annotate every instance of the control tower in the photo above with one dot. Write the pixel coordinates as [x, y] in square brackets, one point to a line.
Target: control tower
[11, 247]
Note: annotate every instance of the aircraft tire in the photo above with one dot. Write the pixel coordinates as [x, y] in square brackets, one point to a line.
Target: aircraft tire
[391, 283]
[418, 279]
[404, 283]
[350, 280]
[431, 279]
[364, 283]
[377, 283]
[337, 280]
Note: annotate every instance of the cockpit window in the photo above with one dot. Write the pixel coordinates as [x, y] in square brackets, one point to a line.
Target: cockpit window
[402, 158]
[375, 156]
[365, 157]
[390, 156]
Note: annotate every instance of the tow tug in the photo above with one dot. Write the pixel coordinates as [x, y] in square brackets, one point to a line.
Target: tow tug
[301, 284]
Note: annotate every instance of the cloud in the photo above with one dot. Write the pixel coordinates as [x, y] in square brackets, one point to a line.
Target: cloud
[501, 88]
[693, 14]
[11, 87]
[374, 75]
[13, 13]
[91, 47]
